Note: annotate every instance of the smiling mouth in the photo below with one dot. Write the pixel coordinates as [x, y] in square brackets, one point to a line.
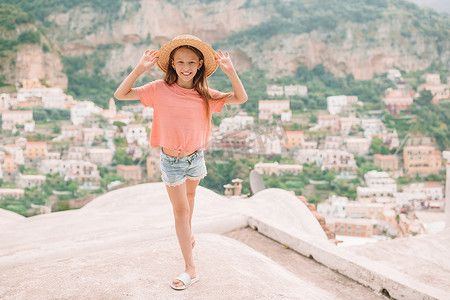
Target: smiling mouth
[186, 74]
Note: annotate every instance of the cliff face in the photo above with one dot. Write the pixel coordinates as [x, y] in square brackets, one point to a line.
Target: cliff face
[351, 52]
[360, 49]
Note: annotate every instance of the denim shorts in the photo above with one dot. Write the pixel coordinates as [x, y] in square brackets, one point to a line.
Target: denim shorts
[174, 171]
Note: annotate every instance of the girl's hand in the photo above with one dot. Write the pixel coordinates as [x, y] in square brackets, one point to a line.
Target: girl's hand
[148, 60]
[225, 62]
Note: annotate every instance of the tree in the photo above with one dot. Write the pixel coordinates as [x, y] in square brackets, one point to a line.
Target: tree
[377, 147]
[73, 187]
[56, 129]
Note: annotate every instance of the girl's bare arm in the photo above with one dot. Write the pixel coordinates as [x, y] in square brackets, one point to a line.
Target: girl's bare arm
[126, 91]
[239, 95]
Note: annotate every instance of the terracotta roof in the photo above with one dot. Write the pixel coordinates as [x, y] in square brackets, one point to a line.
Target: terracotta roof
[385, 157]
[36, 143]
[432, 184]
[128, 168]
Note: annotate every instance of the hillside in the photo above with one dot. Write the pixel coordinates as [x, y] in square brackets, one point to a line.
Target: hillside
[106, 38]
[442, 6]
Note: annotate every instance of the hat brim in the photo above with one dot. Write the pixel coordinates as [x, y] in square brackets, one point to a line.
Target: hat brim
[209, 55]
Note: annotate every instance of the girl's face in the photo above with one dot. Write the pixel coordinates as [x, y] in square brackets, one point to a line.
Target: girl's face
[186, 64]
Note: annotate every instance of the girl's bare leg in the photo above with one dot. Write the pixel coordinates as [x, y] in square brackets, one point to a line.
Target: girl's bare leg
[181, 212]
[191, 186]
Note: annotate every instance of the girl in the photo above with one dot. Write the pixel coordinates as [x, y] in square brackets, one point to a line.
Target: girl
[183, 106]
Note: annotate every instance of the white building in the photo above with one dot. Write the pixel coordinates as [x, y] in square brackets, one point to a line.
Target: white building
[83, 171]
[72, 132]
[336, 104]
[29, 126]
[136, 134]
[334, 207]
[286, 116]
[309, 145]
[269, 107]
[274, 90]
[380, 179]
[76, 153]
[31, 180]
[380, 188]
[147, 113]
[333, 142]
[82, 110]
[357, 145]
[49, 97]
[50, 166]
[431, 189]
[101, 157]
[292, 90]
[355, 209]
[394, 75]
[328, 122]
[288, 90]
[308, 156]
[12, 118]
[372, 127]
[53, 155]
[90, 134]
[267, 143]
[240, 121]
[347, 124]
[341, 161]
[277, 169]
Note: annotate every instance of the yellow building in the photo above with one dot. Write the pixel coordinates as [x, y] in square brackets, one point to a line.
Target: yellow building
[422, 160]
[35, 150]
[293, 139]
[9, 165]
[351, 227]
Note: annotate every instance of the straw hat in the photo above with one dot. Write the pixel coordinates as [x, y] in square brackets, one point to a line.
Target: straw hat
[209, 55]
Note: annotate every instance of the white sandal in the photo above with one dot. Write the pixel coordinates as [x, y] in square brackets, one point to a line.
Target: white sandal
[186, 280]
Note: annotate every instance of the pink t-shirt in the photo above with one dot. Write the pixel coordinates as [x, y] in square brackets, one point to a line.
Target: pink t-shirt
[179, 115]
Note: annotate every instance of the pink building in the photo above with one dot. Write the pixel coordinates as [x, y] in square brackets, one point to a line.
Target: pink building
[15, 117]
[133, 173]
[329, 122]
[386, 162]
[396, 101]
[72, 132]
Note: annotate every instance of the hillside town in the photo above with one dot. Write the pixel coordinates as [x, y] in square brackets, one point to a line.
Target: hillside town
[89, 150]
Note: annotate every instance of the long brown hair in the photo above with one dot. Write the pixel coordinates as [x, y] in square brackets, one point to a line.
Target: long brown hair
[200, 80]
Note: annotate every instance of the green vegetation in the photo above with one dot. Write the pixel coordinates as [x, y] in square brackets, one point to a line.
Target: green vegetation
[433, 120]
[87, 81]
[297, 17]
[377, 147]
[121, 157]
[43, 115]
[10, 17]
[320, 82]
[38, 195]
[29, 37]
[42, 8]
